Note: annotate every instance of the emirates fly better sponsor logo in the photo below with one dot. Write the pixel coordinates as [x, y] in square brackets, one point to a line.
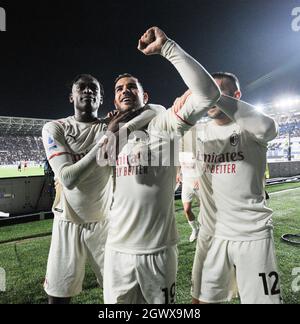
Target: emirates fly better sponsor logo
[2, 19]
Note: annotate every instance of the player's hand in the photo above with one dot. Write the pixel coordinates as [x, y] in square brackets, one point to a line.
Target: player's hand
[106, 154]
[178, 178]
[56, 184]
[196, 185]
[152, 41]
[119, 118]
[179, 102]
[111, 114]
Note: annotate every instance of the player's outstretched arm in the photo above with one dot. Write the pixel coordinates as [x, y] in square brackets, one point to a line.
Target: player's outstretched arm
[149, 112]
[260, 126]
[205, 91]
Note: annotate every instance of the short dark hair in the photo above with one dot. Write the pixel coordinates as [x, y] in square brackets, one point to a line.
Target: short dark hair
[87, 76]
[127, 75]
[230, 82]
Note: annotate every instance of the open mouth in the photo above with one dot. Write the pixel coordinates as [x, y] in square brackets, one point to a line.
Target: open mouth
[88, 99]
[127, 100]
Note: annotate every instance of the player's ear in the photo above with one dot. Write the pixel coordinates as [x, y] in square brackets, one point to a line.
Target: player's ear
[101, 101]
[71, 99]
[237, 95]
[146, 98]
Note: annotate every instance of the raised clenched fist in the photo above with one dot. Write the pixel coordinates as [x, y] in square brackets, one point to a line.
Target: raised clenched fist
[152, 41]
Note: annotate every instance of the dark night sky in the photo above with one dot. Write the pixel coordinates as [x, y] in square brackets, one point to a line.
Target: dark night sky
[47, 44]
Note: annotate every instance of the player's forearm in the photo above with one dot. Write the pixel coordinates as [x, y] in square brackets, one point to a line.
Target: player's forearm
[59, 155]
[205, 91]
[142, 120]
[71, 175]
[259, 125]
[197, 79]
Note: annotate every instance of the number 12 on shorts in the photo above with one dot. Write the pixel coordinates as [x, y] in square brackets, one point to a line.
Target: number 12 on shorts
[274, 290]
[170, 294]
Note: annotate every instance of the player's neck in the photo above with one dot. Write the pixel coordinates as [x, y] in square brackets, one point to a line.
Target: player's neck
[223, 121]
[84, 117]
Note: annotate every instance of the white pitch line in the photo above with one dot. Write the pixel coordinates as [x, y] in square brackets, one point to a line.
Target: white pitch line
[282, 191]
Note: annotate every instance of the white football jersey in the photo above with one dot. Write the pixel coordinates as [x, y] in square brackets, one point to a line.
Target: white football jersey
[89, 201]
[231, 166]
[142, 219]
[142, 216]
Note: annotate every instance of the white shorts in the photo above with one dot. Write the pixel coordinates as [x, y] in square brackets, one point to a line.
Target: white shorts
[188, 192]
[140, 279]
[223, 268]
[71, 246]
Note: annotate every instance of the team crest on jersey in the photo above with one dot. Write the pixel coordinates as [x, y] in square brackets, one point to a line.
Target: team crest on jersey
[234, 139]
[51, 144]
[200, 140]
[50, 140]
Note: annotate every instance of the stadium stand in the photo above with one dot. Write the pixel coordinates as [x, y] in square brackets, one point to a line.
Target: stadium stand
[291, 127]
[14, 149]
[20, 140]
[287, 145]
[29, 192]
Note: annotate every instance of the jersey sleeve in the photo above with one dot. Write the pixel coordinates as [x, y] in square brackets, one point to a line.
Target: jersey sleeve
[260, 127]
[205, 92]
[69, 173]
[150, 111]
[55, 146]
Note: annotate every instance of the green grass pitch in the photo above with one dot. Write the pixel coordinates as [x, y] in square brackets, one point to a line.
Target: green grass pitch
[14, 173]
[25, 259]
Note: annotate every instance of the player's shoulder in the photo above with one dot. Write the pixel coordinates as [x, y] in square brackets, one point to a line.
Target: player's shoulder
[101, 123]
[157, 109]
[56, 127]
[204, 126]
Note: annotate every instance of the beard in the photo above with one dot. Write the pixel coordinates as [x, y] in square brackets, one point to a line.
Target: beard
[135, 106]
[88, 106]
[216, 114]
